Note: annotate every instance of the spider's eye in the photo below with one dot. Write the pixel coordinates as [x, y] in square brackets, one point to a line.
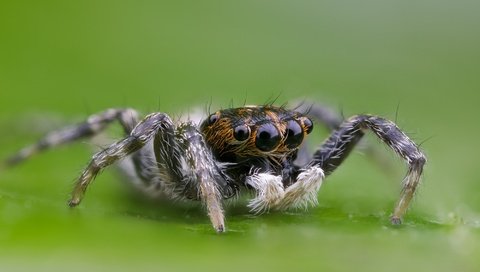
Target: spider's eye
[241, 132]
[267, 137]
[294, 134]
[308, 125]
[213, 118]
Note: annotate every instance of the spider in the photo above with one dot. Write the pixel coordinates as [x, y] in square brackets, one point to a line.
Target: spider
[255, 149]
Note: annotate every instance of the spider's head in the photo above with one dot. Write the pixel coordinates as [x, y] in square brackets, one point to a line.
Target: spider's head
[255, 132]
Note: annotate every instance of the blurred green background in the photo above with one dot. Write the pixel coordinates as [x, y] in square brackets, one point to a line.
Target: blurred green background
[62, 60]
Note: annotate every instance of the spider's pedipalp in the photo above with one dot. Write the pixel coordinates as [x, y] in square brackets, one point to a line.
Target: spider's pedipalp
[303, 193]
[269, 191]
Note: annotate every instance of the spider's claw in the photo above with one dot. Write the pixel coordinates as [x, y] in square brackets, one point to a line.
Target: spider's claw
[217, 219]
[72, 203]
[220, 228]
[395, 220]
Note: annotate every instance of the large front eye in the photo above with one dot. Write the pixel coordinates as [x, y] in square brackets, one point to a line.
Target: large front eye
[294, 134]
[241, 132]
[267, 137]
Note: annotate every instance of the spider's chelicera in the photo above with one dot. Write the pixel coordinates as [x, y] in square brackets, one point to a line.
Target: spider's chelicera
[252, 148]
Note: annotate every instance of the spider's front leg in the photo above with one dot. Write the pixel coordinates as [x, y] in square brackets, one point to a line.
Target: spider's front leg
[339, 145]
[332, 120]
[184, 163]
[189, 170]
[141, 134]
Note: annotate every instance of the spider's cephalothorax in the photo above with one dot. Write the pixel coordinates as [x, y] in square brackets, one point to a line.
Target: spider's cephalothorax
[253, 148]
[255, 131]
[258, 137]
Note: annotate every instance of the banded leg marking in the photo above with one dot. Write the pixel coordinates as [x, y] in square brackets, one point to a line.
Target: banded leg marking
[189, 169]
[338, 146]
[128, 118]
[140, 135]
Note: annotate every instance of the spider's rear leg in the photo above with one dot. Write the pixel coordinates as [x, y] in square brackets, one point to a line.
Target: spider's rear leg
[95, 124]
[338, 146]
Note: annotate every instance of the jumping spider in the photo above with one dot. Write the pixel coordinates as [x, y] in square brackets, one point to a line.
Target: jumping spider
[250, 148]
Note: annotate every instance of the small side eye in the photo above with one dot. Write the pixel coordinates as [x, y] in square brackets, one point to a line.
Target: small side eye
[213, 118]
[294, 134]
[308, 125]
[267, 137]
[241, 132]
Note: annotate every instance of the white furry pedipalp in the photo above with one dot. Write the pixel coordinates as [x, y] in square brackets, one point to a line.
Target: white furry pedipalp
[269, 190]
[303, 193]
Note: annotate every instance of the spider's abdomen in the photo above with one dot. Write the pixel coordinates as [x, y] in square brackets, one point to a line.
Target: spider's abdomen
[255, 132]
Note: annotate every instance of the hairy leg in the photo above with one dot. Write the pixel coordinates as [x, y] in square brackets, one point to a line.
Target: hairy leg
[128, 118]
[332, 119]
[189, 170]
[140, 135]
[338, 146]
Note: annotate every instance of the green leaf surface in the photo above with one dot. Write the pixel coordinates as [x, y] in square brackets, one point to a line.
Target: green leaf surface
[415, 62]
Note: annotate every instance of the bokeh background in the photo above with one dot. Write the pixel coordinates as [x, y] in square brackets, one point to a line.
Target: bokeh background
[416, 62]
